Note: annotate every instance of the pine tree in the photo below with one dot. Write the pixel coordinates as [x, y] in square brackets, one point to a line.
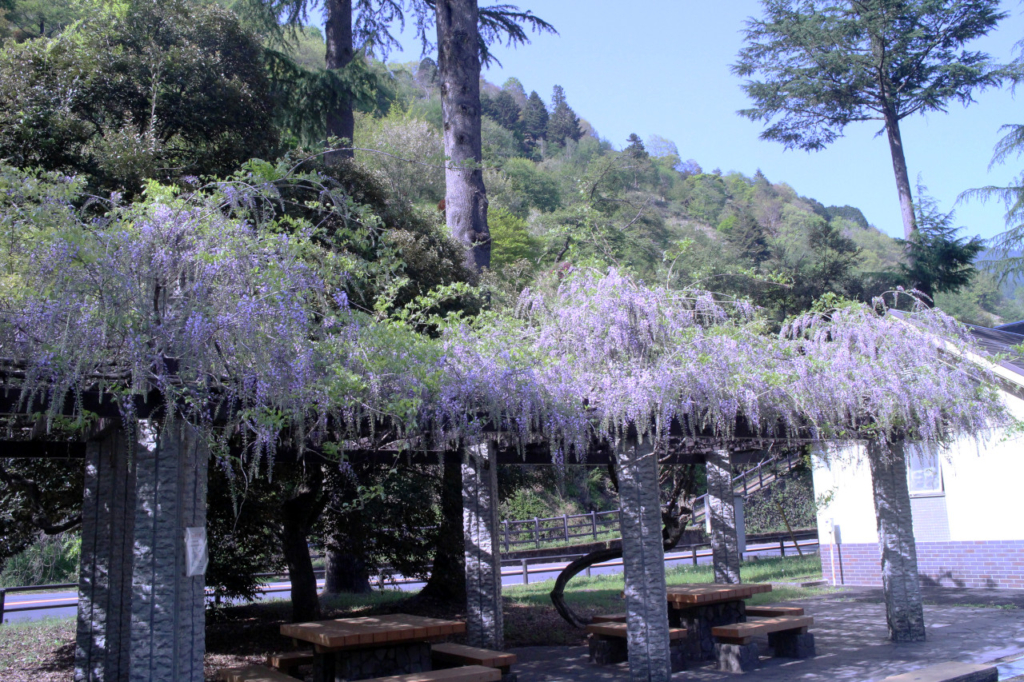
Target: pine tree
[535, 118]
[503, 109]
[635, 148]
[514, 87]
[818, 65]
[563, 124]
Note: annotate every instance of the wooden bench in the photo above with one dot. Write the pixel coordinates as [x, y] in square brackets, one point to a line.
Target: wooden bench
[469, 673]
[253, 673]
[288, 661]
[607, 643]
[448, 655]
[774, 611]
[787, 635]
[949, 672]
[609, 618]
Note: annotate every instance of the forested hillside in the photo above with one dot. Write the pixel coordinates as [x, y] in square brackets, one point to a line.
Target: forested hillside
[561, 193]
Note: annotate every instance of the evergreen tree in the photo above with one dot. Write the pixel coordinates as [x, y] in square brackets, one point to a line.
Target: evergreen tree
[818, 65]
[563, 124]
[635, 148]
[503, 109]
[535, 118]
[749, 238]
[939, 261]
[514, 87]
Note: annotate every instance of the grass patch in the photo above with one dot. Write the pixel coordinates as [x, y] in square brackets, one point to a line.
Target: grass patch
[531, 620]
[38, 650]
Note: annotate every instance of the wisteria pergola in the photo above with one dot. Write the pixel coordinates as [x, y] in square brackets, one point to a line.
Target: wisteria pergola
[180, 327]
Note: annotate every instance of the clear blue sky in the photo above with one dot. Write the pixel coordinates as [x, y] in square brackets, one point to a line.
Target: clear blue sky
[662, 67]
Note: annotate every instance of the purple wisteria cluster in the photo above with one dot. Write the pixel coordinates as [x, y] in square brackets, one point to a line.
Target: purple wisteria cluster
[245, 328]
[604, 352]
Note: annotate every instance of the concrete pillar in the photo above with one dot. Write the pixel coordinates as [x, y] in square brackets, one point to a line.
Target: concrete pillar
[484, 622]
[643, 559]
[725, 553]
[105, 578]
[168, 639]
[901, 585]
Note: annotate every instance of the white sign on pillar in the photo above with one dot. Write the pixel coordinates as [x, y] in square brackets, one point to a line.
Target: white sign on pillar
[741, 524]
[197, 555]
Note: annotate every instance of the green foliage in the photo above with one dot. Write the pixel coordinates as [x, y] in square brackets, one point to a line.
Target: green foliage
[240, 523]
[980, 302]
[407, 154]
[850, 213]
[50, 560]
[563, 125]
[539, 189]
[499, 143]
[47, 18]
[523, 504]
[306, 47]
[35, 491]
[164, 90]
[511, 240]
[816, 66]
[635, 147]
[383, 516]
[535, 118]
[939, 260]
[794, 494]
[1008, 246]
[503, 109]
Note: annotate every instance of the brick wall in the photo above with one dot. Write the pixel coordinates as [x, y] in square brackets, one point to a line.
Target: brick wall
[950, 564]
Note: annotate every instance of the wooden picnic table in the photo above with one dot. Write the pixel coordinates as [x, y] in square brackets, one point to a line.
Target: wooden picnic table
[701, 607]
[371, 646]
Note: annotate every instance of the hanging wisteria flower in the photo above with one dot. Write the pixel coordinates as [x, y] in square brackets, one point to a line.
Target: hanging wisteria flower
[248, 328]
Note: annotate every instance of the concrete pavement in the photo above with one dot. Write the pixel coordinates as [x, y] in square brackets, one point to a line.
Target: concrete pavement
[851, 639]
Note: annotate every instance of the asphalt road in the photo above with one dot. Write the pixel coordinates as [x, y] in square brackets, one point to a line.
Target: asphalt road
[63, 604]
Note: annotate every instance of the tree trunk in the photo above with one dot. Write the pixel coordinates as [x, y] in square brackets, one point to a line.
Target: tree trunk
[345, 572]
[899, 167]
[447, 582]
[298, 515]
[901, 586]
[338, 29]
[458, 66]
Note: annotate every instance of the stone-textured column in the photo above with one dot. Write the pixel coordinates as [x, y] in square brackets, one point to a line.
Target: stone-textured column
[484, 622]
[168, 638]
[901, 584]
[722, 517]
[643, 560]
[105, 578]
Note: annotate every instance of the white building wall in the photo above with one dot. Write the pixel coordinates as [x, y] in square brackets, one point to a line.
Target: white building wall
[982, 481]
[842, 476]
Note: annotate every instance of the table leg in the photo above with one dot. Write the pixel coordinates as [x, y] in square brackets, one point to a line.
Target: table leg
[698, 621]
[323, 666]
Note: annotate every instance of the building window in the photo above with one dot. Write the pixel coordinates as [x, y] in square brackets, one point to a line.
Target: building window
[923, 470]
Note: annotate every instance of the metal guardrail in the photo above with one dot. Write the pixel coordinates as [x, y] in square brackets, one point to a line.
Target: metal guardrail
[521, 567]
[30, 588]
[552, 564]
[569, 526]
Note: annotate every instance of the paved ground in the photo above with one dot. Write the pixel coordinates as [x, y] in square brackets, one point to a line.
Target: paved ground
[851, 640]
